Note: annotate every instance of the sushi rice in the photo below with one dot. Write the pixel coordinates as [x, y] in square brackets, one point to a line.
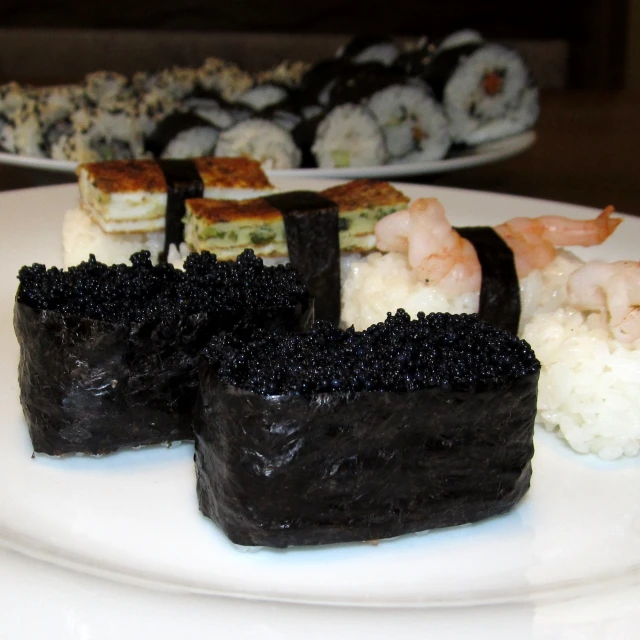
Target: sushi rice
[579, 357]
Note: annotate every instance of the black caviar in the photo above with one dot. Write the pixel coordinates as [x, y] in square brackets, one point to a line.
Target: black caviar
[143, 292]
[440, 350]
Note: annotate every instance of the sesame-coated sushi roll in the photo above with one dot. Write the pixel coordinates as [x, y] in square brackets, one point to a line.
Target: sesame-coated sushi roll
[487, 92]
[343, 436]
[288, 73]
[176, 82]
[111, 132]
[414, 125]
[225, 78]
[264, 141]
[349, 136]
[101, 87]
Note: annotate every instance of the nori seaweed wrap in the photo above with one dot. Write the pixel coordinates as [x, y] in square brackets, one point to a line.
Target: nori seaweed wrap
[340, 436]
[108, 355]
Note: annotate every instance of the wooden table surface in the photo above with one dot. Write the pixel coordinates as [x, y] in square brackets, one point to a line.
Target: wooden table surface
[586, 153]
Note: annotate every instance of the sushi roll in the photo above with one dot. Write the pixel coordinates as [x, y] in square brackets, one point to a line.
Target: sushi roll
[110, 132]
[108, 355]
[182, 135]
[271, 145]
[487, 92]
[364, 49]
[152, 107]
[343, 436]
[358, 82]
[12, 98]
[415, 59]
[175, 82]
[349, 136]
[414, 125]
[102, 87]
[225, 78]
[262, 96]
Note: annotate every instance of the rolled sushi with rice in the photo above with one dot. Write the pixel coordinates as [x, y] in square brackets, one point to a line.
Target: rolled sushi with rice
[349, 136]
[271, 145]
[414, 125]
[183, 135]
[487, 92]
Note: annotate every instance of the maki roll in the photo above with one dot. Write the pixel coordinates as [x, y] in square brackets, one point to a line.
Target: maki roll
[108, 354]
[102, 87]
[349, 136]
[108, 132]
[224, 78]
[414, 125]
[182, 135]
[487, 92]
[340, 436]
[264, 141]
[175, 82]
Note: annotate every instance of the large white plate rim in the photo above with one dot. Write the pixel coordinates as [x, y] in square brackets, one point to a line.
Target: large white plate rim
[625, 572]
[476, 156]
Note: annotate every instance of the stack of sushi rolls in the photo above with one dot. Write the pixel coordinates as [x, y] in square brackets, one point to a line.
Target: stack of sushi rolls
[374, 102]
[340, 436]
[108, 354]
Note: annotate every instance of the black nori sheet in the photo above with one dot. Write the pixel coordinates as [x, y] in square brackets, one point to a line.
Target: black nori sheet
[444, 63]
[94, 385]
[183, 182]
[174, 124]
[500, 288]
[303, 469]
[311, 226]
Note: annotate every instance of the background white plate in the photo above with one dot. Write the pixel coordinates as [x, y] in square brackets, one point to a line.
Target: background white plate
[473, 157]
[98, 545]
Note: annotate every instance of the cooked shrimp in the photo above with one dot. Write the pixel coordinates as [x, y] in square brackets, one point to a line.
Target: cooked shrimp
[613, 288]
[435, 251]
[534, 240]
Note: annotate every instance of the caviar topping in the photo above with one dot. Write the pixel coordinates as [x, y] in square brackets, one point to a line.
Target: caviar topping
[450, 352]
[143, 292]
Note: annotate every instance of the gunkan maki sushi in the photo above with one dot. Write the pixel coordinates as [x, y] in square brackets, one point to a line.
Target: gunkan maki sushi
[108, 354]
[340, 436]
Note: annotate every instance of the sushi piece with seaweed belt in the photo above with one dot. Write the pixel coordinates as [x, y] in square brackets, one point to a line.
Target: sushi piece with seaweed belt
[340, 436]
[108, 355]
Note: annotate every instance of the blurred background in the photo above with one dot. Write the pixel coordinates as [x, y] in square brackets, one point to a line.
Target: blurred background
[585, 55]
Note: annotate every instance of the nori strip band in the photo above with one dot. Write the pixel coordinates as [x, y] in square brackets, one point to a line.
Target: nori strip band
[183, 182]
[311, 227]
[108, 355]
[500, 288]
[333, 464]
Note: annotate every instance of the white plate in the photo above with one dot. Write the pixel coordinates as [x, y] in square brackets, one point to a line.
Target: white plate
[99, 545]
[473, 157]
